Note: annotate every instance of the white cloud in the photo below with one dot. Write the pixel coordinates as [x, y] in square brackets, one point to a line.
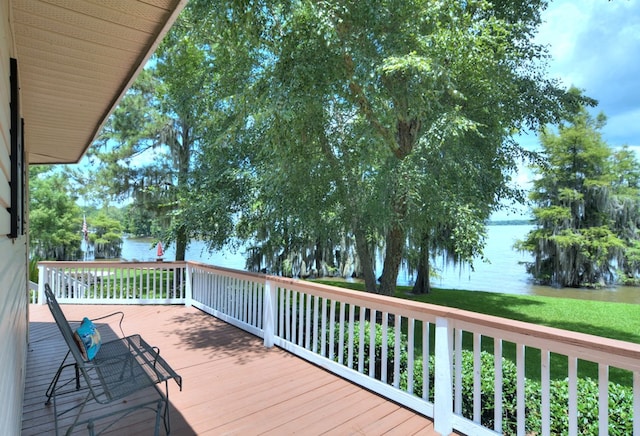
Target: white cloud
[595, 46]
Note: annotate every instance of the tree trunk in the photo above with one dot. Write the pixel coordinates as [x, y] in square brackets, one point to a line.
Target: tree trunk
[406, 136]
[366, 261]
[181, 243]
[422, 284]
[392, 259]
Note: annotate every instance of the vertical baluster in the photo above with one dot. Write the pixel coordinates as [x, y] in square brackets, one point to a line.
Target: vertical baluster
[545, 378]
[385, 353]
[213, 290]
[175, 280]
[260, 291]
[111, 287]
[477, 369]
[125, 277]
[323, 328]
[363, 312]
[242, 302]
[341, 335]
[239, 284]
[101, 278]
[301, 318]
[233, 300]
[228, 292]
[573, 396]
[410, 353]
[458, 373]
[316, 327]
[288, 315]
[397, 330]
[256, 307]
[372, 343]
[249, 302]
[166, 282]
[62, 280]
[148, 272]
[425, 361]
[603, 399]
[307, 331]
[332, 329]
[216, 292]
[520, 409]
[497, 395]
[121, 274]
[294, 314]
[207, 294]
[229, 297]
[235, 305]
[135, 287]
[351, 339]
[281, 314]
[636, 403]
[154, 279]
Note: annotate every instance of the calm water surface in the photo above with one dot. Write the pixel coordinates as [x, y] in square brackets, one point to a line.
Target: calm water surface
[504, 271]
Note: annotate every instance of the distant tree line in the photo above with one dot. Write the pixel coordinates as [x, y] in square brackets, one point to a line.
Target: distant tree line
[56, 220]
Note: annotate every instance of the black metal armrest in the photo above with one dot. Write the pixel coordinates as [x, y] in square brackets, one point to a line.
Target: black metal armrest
[108, 316]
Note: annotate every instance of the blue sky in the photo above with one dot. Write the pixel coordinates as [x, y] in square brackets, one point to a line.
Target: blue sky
[595, 46]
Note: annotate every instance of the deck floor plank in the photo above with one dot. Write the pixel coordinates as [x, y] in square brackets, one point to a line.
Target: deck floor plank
[232, 384]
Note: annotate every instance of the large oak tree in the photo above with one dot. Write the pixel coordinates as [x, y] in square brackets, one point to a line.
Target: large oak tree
[392, 116]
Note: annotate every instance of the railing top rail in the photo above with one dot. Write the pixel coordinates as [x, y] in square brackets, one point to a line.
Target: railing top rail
[259, 277]
[106, 263]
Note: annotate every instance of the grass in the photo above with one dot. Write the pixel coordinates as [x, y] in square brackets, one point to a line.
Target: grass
[611, 320]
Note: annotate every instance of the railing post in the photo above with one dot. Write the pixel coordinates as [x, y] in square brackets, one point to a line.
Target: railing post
[269, 317]
[443, 382]
[188, 291]
[41, 279]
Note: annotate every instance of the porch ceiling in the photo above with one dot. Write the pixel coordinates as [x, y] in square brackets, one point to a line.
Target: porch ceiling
[76, 58]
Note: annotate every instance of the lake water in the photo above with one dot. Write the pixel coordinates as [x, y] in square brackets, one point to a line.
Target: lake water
[503, 273]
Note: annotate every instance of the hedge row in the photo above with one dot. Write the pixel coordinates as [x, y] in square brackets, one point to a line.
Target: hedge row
[620, 397]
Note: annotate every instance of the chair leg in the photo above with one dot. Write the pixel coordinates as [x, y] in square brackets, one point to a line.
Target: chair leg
[56, 377]
[158, 414]
[167, 418]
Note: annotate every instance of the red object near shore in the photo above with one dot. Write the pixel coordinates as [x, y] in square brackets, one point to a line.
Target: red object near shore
[159, 251]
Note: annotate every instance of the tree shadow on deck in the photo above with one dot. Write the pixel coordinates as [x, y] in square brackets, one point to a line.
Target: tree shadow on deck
[216, 339]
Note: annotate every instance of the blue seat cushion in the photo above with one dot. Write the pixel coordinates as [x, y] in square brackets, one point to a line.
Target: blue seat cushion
[88, 339]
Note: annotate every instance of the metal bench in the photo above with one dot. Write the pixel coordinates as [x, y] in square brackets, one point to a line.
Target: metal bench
[125, 372]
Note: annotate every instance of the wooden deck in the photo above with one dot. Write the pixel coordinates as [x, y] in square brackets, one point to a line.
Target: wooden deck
[232, 383]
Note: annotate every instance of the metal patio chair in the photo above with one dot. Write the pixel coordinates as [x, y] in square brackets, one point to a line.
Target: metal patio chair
[125, 373]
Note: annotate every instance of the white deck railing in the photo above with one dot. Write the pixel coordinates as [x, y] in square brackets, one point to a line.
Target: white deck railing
[322, 324]
[113, 282]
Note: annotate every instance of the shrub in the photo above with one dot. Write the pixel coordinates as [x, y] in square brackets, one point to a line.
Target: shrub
[378, 348]
[620, 397]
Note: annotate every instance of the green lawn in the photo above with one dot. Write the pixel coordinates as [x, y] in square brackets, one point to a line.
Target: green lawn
[612, 320]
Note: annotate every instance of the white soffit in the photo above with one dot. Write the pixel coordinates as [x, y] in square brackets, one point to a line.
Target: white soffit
[76, 58]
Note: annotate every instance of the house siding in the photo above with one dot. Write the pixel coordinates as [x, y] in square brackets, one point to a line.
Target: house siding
[13, 262]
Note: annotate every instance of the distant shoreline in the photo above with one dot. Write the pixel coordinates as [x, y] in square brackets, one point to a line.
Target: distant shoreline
[510, 223]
